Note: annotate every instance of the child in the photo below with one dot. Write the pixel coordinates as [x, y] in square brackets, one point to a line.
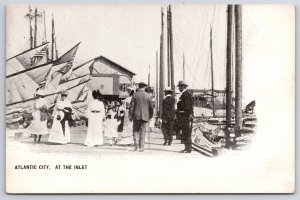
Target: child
[111, 126]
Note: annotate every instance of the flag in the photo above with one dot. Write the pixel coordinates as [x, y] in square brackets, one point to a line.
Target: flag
[41, 53]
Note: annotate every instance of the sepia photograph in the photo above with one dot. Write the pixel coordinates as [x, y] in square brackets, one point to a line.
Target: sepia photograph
[150, 98]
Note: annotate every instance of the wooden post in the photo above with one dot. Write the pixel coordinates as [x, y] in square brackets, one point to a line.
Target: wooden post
[238, 68]
[228, 66]
[171, 50]
[212, 74]
[161, 83]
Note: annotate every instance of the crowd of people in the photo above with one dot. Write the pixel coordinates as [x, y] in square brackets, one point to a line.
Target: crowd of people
[122, 122]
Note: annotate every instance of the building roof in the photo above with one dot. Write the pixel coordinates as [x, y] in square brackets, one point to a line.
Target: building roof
[102, 58]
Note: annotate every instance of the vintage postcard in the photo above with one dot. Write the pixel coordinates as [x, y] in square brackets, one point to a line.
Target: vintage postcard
[180, 98]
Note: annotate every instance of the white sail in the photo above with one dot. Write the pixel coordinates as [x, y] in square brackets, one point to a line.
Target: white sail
[83, 69]
[32, 57]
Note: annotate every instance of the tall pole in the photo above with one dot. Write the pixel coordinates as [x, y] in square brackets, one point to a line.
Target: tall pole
[183, 68]
[30, 16]
[161, 80]
[228, 66]
[35, 27]
[171, 49]
[212, 74]
[45, 33]
[238, 68]
[168, 47]
[149, 77]
[156, 85]
[52, 40]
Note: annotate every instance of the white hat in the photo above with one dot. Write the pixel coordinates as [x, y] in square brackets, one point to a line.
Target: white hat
[61, 115]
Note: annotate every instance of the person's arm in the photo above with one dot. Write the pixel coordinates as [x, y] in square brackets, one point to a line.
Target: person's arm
[131, 108]
[150, 108]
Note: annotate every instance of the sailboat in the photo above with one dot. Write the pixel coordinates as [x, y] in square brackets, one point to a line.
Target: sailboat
[32, 70]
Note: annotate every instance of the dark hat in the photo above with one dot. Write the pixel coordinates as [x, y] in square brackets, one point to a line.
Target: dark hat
[142, 84]
[168, 89]
[182, 83]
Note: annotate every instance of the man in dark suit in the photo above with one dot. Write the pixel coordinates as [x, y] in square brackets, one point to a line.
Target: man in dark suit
[140, 111]
[168, 116]
[184, 115]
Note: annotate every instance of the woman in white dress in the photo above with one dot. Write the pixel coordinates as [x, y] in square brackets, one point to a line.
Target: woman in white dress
[38, 126]
[61, 134]
[95, 114]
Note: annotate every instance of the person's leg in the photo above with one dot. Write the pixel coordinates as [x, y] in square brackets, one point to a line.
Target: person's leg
[34, 137]
[39, 140]
[170, 131]
[184, 129]
[186, 133]
[164, 131]
[135, 134]
[143, 126]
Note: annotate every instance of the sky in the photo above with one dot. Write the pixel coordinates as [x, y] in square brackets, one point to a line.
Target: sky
[130, 36]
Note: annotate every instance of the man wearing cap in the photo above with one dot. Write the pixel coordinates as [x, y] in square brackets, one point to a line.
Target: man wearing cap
[184, 115]
[140, 111]
[168, 116]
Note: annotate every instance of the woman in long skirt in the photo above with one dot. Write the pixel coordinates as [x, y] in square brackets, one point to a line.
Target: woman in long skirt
[95, 114]
[38, 126]
[60, 133]
[127, 134]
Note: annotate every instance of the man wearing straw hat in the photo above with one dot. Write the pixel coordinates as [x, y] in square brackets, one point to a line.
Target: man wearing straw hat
[184, 115]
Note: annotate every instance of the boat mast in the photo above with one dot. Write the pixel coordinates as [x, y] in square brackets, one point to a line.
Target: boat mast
[149, 77]
[52, 39]
[35, 27]
[168, 48]
[228, 66]
[45, 35]
[156, 85]
[238, 68]
[161, 80]
[212, 74]
[29, 15]
[171, 50]
[183, 68]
